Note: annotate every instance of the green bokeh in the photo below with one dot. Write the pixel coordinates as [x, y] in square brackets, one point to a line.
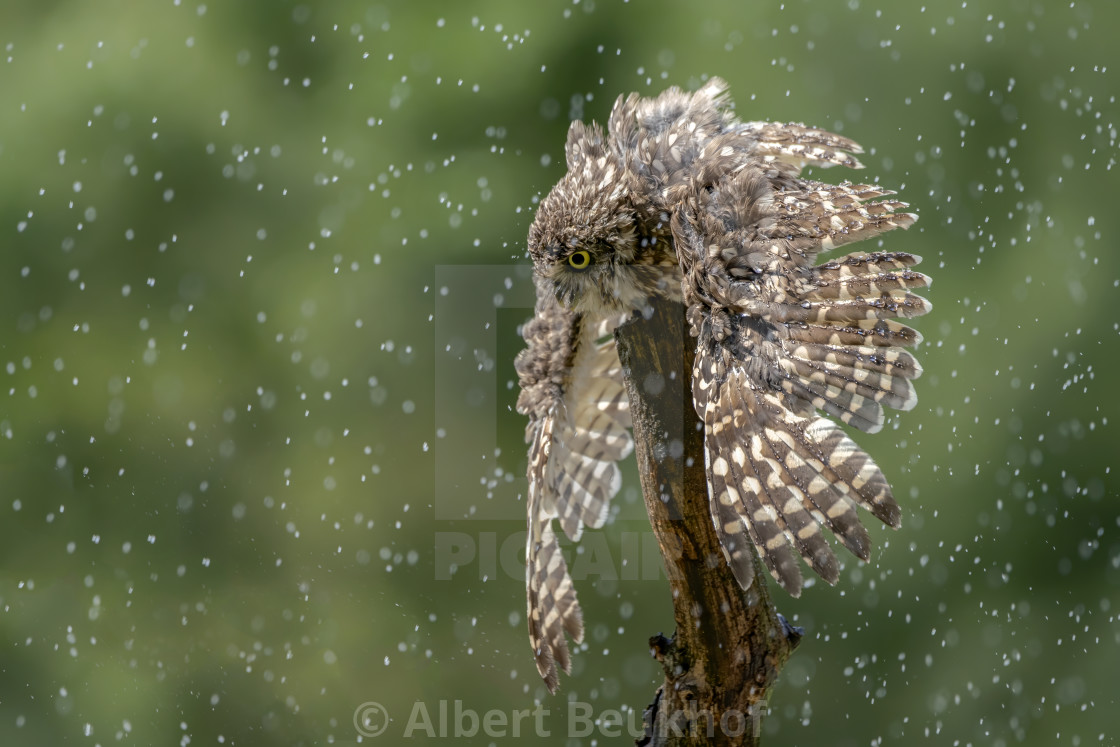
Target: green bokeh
[221, 228]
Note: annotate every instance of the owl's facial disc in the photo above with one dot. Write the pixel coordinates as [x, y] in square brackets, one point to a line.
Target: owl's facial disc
[577, 276]
[601, 280]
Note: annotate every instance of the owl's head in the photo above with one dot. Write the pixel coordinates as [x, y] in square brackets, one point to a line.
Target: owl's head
[585, 241]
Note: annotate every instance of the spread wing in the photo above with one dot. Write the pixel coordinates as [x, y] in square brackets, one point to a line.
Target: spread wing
[782, 339]
[572, 390]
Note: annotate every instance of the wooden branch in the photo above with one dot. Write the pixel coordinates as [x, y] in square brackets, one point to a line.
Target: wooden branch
[729, 644]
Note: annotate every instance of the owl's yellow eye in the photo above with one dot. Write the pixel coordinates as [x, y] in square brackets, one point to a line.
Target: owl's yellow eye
[580, 260]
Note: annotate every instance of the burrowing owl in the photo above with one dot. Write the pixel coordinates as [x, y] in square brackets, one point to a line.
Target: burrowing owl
[679, 198]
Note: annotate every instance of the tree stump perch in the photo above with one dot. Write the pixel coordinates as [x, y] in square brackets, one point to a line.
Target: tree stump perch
[729, 643]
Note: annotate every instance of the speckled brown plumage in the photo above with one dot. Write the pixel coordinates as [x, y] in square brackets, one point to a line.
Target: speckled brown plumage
[682, 200]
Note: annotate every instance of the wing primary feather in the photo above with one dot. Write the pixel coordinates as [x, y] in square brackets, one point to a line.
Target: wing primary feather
[792, 511]
[553, 609]
[877, 332]
[738, 439]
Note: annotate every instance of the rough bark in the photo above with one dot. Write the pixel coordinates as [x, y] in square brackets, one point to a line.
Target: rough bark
[729, 643]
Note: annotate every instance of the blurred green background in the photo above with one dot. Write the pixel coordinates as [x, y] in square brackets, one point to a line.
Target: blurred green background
[237, 378]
